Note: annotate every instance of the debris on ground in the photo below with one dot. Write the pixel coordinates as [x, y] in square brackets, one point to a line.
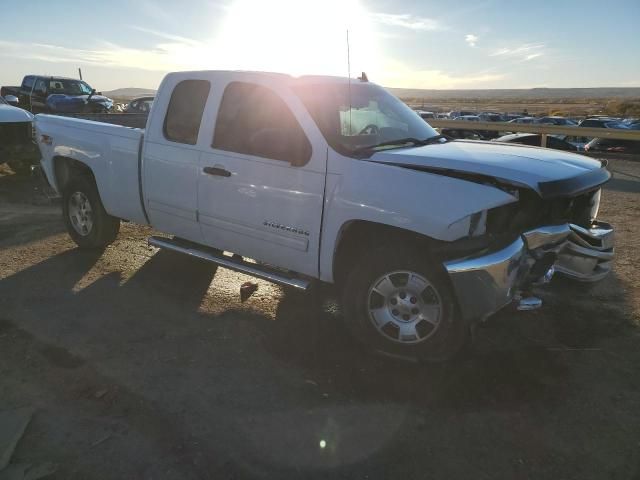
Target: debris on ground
[247, 289]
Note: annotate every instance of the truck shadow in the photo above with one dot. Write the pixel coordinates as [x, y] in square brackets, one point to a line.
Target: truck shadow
[518, 358]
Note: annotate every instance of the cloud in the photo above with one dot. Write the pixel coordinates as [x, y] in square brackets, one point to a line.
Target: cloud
[471, 39]
[406, 20]
[166, 36]
[533, 55]
[524, 52]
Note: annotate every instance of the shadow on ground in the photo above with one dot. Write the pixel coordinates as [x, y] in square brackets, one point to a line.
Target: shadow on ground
[238, 394]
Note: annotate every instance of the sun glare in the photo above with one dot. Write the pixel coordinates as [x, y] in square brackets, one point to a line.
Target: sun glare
[295, 37]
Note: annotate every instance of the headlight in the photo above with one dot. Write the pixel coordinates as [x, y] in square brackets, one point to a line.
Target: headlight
[472, 225]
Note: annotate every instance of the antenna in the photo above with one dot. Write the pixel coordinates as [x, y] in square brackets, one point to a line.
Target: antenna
[349, 77]
[80, 72]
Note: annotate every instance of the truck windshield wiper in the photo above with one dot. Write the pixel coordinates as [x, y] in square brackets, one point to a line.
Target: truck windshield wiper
[403, 141]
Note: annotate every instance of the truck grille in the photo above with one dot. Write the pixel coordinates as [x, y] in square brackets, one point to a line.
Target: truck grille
[18, 133]
[531, 211]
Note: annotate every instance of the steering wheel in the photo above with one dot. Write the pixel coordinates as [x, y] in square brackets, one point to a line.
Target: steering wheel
[370, 129]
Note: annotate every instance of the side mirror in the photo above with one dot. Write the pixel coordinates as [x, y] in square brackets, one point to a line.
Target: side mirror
[12, 100]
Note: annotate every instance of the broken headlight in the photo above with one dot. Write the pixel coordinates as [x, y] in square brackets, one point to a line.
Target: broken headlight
[472, 225]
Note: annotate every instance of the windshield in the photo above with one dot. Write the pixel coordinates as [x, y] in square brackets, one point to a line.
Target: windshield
[69, 87]
[360, 116]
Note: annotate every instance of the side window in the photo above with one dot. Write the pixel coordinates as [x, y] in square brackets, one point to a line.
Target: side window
[255, 121]
[41, 86]
[28, 83]
[184, 114]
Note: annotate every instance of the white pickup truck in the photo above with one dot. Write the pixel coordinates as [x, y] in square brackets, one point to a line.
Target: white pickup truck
[336, 180]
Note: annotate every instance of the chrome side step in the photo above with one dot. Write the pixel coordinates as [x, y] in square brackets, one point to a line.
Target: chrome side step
[255, 270]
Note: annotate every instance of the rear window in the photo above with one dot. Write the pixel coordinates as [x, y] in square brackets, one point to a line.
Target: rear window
[184, 115]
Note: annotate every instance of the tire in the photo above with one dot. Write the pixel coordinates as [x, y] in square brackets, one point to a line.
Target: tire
[421, 291]
[87, 222]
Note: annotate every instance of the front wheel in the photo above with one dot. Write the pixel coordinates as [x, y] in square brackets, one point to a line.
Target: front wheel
[398, 302]
[87, 222]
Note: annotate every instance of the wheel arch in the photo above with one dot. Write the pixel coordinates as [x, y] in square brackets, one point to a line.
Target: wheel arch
[65, 168]
[356, 237]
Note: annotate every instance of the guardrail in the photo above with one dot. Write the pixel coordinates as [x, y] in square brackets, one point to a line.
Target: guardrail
[544, 130]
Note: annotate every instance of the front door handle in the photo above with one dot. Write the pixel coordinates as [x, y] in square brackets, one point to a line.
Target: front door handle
[221, 172]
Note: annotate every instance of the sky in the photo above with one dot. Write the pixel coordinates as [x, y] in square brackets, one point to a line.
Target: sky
[399, 43]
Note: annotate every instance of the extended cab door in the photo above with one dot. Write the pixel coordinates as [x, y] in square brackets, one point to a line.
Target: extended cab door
[261, 179]
[171, 157]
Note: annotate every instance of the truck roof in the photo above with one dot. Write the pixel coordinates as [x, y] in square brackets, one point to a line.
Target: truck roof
[282, 77]
[53, 77]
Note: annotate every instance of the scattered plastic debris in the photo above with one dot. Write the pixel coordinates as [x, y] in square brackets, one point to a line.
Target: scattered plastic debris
[247, 289]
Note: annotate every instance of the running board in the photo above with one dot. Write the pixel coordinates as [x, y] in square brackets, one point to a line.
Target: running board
[253, 269]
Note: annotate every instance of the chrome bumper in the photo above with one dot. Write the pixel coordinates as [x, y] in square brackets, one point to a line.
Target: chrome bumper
[588, 254]
[485, 284]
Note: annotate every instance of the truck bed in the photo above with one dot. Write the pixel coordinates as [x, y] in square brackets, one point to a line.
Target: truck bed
[111, 151]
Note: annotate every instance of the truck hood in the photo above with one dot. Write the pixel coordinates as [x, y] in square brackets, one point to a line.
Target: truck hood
[74, 103]
[548, 172]
[10, 114]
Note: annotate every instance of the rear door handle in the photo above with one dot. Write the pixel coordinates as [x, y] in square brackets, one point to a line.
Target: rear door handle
[221, 172]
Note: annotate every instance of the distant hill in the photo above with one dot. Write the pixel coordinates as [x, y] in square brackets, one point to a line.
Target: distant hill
[520, 94]
[129, 92]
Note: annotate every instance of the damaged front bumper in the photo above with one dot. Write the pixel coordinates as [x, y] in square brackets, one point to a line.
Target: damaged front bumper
[487, 283]
[588, 254]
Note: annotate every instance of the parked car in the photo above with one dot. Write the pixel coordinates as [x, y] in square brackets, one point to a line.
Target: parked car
[45, 94]
[17, 148]
[461, 113]
[535, 139]
[611, 145]
[602, 123]
[490, 117]
[459, 133]
[332, 180]
[525, 120]
[425, 115]
[468, 118]
[139, 105]
[556, 120]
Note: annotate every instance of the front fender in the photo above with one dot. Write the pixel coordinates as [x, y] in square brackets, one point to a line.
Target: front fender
[424, 203]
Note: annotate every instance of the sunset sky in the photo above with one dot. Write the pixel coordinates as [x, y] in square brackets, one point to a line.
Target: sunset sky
[401, 43]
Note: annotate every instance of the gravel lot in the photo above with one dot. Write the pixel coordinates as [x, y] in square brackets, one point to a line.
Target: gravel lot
[146, 364]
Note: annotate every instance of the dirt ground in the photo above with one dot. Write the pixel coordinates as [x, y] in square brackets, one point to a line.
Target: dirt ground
[143, 364]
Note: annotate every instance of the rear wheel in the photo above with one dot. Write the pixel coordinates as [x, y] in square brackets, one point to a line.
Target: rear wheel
[398, 302]
[87, 222]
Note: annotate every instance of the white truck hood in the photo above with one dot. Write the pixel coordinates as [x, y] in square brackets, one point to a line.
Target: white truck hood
[10, 114]
[549, 172]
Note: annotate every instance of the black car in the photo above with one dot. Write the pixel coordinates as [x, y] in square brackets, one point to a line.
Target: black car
[534, 139]
[461, 134]
[611, 145]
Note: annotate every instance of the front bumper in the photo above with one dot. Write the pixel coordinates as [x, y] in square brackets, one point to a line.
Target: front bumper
[485, 284]
[588, 254]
